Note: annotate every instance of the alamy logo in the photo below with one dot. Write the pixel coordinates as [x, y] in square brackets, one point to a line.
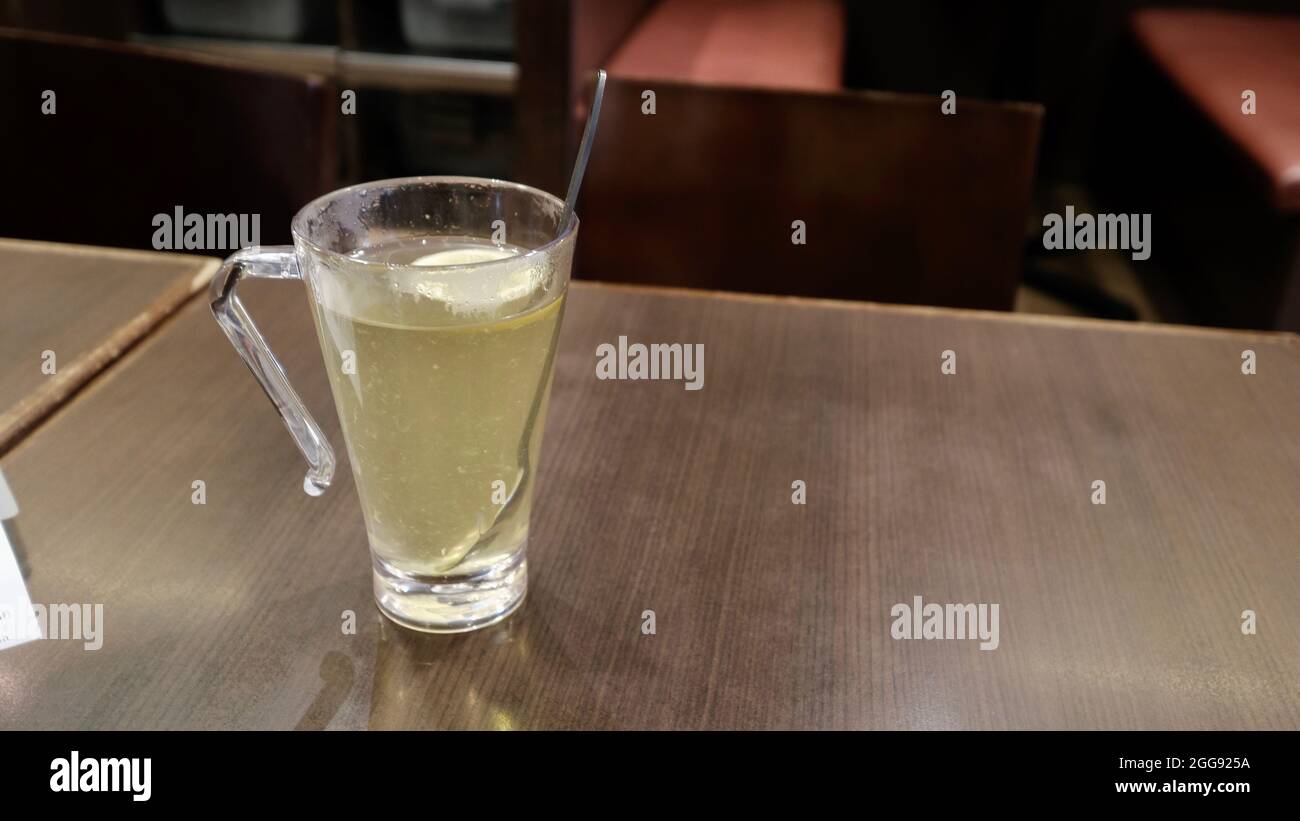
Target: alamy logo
[946, 621]
[180, 231]
[1129, 232]
[654, 361]
[77, 774]
[68, 622]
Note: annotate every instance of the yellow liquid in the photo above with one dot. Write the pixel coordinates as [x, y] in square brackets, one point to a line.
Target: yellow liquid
[443, 419]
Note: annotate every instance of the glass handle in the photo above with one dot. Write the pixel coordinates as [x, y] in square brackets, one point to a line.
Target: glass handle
[273, 262]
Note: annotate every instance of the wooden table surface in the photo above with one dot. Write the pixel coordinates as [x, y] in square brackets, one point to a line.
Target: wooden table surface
[86, 306]
[974, 487]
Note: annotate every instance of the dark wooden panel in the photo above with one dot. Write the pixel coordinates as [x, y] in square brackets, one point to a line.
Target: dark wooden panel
[901, 203]
[139, 131]
[86, 305]
[966, 488]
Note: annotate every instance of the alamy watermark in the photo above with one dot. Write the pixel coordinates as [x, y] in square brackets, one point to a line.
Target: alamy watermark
[67, 622]
[77, 774]
[946, 622]
[1129, 232]
[654, 361]
[180, 231]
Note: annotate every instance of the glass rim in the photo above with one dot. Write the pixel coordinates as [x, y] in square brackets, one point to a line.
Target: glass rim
[319, 203]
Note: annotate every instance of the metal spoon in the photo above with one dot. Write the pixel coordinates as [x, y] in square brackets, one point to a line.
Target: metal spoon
[584, 152]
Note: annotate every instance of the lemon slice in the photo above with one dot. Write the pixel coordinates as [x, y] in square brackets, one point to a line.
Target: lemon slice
[462, 256]
[484, 294]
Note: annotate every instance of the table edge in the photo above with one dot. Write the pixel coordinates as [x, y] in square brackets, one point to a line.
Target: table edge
[934, 311]
[20, 422]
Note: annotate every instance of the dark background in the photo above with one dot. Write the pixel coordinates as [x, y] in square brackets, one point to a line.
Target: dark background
[945, 229]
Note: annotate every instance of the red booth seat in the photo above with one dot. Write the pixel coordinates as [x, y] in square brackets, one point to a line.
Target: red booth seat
[773, 44]
[1212, 57]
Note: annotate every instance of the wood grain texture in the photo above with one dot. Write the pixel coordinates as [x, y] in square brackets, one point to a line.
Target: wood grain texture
[85, 304]
[966, 488]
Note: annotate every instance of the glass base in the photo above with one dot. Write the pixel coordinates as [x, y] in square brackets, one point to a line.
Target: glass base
[437, 604]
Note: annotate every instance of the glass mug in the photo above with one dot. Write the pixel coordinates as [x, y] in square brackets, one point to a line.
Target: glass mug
[437, 303]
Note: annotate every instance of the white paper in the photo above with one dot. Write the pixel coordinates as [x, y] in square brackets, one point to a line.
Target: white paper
[8, 505]
[18, 624]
